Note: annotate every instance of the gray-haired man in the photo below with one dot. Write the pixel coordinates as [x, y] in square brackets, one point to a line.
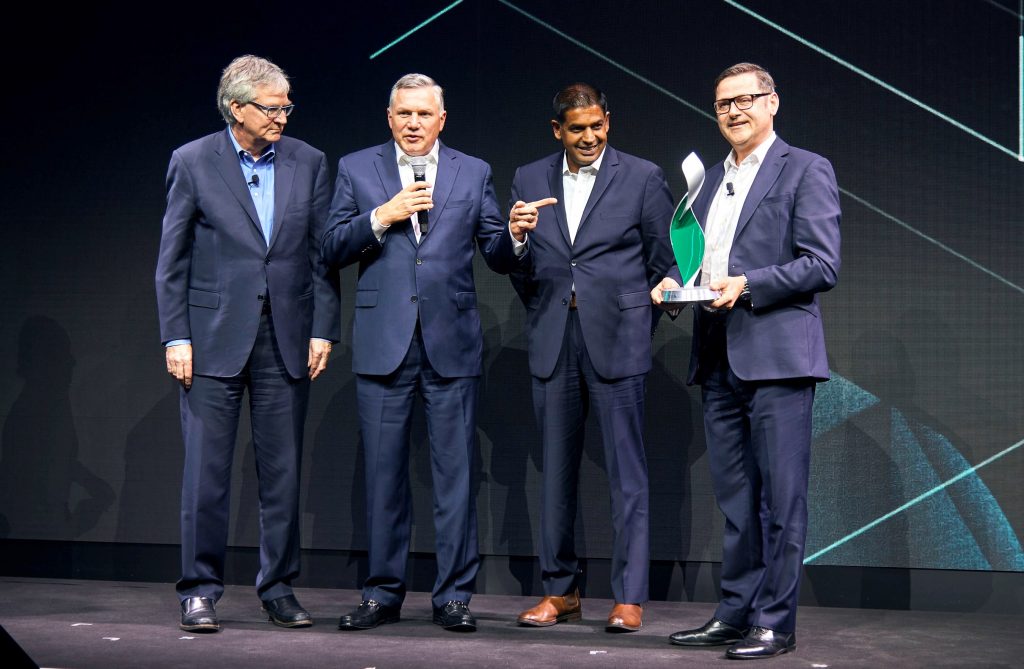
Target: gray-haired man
[245, 305]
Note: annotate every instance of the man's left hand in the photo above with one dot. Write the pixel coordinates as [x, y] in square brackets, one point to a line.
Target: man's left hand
[319, 351]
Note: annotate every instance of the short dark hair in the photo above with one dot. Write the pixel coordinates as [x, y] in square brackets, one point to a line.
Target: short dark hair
[575, 96]
[763, 78]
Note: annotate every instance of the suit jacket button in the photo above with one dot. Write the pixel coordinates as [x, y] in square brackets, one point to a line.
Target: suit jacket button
[572, 262]
[419, 261]
[565, 301]
[267, 261]
[413, 298]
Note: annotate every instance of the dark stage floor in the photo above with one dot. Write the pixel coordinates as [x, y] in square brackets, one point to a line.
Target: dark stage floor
[84, 624]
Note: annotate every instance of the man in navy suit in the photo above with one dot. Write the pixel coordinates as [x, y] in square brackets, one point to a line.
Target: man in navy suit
[245, 304]
[417, 332]
[590, 263]
[771, 217]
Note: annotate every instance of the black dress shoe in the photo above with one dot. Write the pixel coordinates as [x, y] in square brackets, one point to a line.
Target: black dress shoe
[287, 612]
[455, 616]
[762, 642]
[198, 615]
[368, 615]
[714, 633]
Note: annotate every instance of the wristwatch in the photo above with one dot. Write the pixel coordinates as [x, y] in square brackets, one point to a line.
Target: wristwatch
[745, 294]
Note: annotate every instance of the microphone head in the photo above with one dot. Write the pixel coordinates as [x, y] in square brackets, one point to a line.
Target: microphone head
[419, 166]
[255, 180]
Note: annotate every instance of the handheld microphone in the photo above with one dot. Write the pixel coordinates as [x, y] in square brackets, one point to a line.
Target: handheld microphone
[729, 189]
[419, 173]
[255, 181]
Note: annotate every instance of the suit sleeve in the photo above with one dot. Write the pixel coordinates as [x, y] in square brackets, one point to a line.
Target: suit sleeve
[815, 229]
[656, 217]
[348, 237]
[493, 235]
[326, 282]
[175, 258]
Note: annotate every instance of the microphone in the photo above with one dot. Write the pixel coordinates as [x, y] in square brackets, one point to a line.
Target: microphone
[728, 187]
[419, 173]
[255, 181]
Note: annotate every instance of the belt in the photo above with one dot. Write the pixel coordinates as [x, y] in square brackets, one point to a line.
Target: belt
[572, 301]
[266, 306]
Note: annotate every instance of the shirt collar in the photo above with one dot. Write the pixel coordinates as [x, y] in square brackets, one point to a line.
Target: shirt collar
[594, 167]
[431, 157]
[245, 155]
[757, 155]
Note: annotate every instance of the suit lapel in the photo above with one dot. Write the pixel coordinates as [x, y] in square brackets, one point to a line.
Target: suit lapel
[231, 172]
[609, 168]
[555, 188]
[448, 166]
[774, 162]
[284, 175]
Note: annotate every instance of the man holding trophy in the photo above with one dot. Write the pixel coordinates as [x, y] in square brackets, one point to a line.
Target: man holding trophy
[770, 214]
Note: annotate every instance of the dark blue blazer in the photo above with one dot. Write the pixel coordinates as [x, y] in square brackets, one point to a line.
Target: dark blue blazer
[787, 243]
[401, 282]
[215, 268]
[620, 252]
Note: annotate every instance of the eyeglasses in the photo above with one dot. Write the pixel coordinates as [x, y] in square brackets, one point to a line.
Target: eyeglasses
[742, 102]
[274, 112]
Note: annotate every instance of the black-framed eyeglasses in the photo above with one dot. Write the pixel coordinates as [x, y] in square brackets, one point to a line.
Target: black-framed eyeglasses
[742, 102]
[274, 112]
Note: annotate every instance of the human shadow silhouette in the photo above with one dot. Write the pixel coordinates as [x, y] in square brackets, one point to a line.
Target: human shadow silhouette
[46, 492]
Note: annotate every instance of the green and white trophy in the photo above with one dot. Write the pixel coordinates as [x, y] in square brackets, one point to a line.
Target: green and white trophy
[688, 240]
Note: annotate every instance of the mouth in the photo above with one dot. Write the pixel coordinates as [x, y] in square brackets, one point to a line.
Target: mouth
[737, 124]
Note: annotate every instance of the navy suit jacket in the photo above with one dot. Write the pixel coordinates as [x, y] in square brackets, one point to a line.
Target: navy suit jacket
[401, 281]
[620, 252]
[787, 243]
[215, 268]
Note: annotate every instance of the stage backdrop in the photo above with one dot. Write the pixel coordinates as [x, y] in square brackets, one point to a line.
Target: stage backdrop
[917, 458]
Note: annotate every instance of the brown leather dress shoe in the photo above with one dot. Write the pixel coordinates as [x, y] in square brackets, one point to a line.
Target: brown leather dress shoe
[553, 610]
[625, 618]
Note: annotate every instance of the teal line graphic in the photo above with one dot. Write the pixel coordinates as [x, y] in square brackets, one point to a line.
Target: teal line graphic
[620, 66]
[932, 240]
[414, 29]
[1019, 155]
[920, 498]
[1002, 7]
[708, 115]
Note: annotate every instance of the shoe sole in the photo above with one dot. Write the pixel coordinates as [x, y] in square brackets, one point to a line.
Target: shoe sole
[290, 624]
[205, 627]
[460, 627]
[567, 617]
[791, 649]
[368, 627]
[622, 627]
[705, 644]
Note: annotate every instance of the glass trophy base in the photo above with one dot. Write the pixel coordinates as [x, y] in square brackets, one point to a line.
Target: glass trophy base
[684, 296]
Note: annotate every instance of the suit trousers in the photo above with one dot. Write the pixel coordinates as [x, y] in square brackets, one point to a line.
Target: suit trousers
[561, 403]
[209, 422]
[385, 414]
[759, 444]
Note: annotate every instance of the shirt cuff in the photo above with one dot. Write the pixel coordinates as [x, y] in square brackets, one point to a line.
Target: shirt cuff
[177, 342]
[378, 228]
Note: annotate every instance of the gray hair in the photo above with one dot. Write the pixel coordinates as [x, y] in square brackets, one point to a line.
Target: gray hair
[241, 79]
[763, 78]
[417, 81]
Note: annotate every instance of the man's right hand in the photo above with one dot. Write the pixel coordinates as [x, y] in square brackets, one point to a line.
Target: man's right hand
[179, 363]
[411, 199]
[668, 283]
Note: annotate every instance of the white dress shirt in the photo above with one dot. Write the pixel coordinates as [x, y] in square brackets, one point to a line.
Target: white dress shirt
[724, 213]
[576, 189]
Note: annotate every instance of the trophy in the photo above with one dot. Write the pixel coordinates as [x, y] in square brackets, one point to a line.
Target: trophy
[688, 241]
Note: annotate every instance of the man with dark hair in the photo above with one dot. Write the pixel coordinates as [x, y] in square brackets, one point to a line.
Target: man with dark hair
[588, 267]
[412, 212]
[771, 216]
[245, 305]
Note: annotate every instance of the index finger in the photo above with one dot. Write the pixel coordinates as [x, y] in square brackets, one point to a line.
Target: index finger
[542, 203]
